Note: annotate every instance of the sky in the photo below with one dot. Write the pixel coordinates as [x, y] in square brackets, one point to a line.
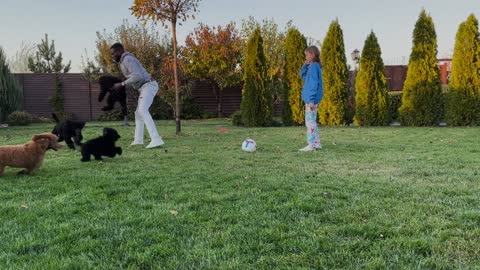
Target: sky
[73, 24]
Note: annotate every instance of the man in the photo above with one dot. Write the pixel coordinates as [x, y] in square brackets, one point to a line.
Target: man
[140, 80]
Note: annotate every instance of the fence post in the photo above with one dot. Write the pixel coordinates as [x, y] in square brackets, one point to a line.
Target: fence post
[90, 99]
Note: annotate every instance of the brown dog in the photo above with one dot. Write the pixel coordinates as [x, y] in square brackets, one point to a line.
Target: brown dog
[30, 155]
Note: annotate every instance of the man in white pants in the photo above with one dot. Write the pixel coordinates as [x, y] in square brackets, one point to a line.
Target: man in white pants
[141, 80]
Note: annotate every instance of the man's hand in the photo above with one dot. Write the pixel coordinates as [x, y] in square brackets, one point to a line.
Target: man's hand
[117, 86]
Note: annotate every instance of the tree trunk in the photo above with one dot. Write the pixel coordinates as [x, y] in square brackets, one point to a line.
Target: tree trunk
[177, 92]
[220, 103]
[218, 93]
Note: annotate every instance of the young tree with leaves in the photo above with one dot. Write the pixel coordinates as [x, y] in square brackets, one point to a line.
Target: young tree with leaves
[214, 54]
[155, 52]
[274, 47]
[141, 40]
[371, 93]
[173, 11]
[422, 92]
[256, 106]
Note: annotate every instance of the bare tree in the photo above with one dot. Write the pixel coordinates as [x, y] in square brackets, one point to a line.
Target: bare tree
[19, 62]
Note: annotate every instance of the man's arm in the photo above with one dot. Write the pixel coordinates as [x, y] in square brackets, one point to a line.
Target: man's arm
[134, 67]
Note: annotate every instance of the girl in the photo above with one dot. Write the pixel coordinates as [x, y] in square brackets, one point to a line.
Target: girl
[312, 94]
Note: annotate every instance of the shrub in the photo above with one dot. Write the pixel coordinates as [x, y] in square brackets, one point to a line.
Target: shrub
[191, 109]
[113, 115]
[237, 118]
[394, 103]
[18, 118]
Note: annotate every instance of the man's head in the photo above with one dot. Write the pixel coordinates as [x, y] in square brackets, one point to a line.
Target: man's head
[116, 50]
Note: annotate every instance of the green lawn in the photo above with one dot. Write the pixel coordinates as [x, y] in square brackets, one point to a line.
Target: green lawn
[373, 198]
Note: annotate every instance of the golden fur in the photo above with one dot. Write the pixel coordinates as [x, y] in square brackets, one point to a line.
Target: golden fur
[30, 155]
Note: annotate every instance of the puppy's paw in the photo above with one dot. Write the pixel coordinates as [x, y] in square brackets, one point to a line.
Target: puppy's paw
[119, 151]
[84, 160]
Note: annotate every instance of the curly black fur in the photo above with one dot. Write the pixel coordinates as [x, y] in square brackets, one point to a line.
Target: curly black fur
[67, 130]
[106, 83]
[102, 146]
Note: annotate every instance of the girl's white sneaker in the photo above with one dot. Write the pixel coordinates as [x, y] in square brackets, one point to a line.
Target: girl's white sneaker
[307, 148]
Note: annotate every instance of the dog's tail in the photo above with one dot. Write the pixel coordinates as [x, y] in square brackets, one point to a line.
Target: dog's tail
[55, 117]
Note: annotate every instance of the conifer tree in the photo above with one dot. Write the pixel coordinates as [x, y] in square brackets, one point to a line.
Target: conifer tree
[422, 96]
[333, 109]
[256, 106]
[371, 94]
[10, 91]
[463, 107]
[295, 45]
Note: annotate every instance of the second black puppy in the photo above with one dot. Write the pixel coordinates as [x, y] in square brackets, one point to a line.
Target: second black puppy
[106, 83]
[67, 130]
[102, 146]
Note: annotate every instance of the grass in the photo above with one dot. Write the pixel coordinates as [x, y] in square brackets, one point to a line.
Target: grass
[373, 198]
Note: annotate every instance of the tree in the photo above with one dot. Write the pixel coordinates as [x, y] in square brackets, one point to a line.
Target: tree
[171, 11]
[371, 99]
[295, 45]
[10, 91]
[91, 71]
[46, 59]
[142, 41]
[463, 107]
[19, 63]
[167, 88]
[214, 54]
[274, 50]
[154, 51]
[421, 100]
[333, 109]
[256, 106]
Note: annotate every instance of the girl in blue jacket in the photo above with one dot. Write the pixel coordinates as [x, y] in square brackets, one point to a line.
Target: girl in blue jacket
[312, 94]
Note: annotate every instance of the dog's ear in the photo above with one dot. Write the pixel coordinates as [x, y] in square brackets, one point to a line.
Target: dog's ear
[48, 136]
[47, 140]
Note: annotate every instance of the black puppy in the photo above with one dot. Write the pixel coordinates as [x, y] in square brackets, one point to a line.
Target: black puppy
[102, 146]
[67, 130]
[106, 83]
